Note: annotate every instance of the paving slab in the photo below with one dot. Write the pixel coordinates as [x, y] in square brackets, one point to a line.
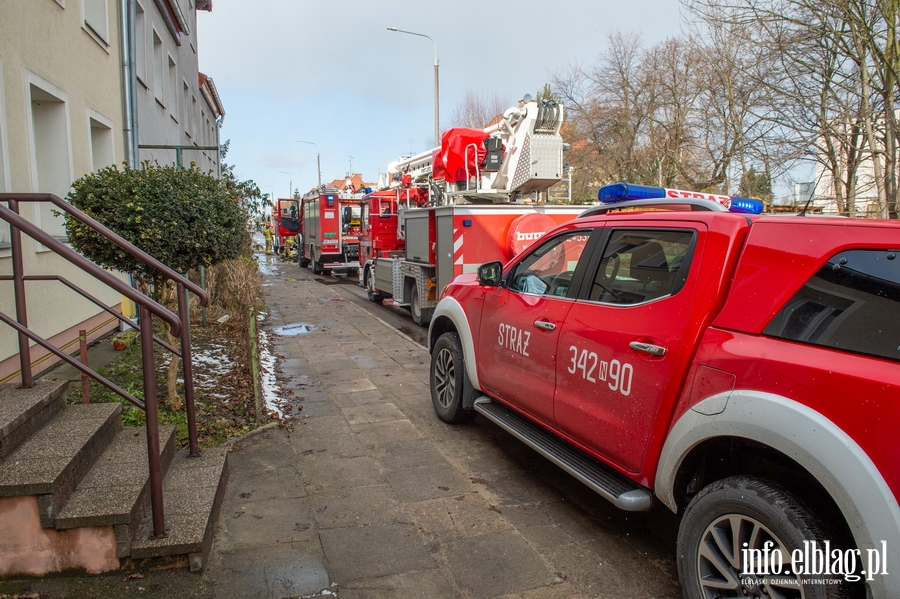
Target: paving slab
[267, 572]
[357, 506]
[432, 584]
[362, 552]
[498, 564]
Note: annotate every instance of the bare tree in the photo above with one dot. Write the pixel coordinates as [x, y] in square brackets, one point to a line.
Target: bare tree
[830, 69]
[476, 110]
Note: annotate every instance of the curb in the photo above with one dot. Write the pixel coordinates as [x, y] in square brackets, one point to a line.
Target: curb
[249, 435]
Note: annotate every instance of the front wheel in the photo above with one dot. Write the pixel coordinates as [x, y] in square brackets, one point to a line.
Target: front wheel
[737, 539]
[374, 296]
[421, 316]
[448, 380]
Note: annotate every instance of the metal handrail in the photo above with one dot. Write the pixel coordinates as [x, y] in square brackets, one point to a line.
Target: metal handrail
[72, 361]
[148, 307]
[112, 236]
[475, 161]
[133, 324]
[35, 232]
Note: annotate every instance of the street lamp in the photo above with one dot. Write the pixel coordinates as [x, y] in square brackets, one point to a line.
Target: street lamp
[290, 182]
[437, 130]
[318, 160]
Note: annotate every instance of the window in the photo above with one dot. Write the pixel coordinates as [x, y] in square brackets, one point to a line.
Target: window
[96, 18]
[193, 115]
[51, 157]
[548, 270]
[852, 303]
[186, 103]
[172, 88]
[140, 43]
[158, 73]
[641, 266]
[101, 140]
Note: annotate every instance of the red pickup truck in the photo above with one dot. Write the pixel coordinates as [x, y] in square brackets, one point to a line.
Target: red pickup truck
[741, 369]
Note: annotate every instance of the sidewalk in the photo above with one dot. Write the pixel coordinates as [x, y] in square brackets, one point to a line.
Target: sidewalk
[369, 495]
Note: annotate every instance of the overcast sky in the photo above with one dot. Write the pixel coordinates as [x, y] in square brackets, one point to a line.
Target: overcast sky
[329, 72]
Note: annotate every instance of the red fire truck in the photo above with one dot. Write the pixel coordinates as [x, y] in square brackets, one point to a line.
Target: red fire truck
[286, 219]
[465, 203]
[329, 231]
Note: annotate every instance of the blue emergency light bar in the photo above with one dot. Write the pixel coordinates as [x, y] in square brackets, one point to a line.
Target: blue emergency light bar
[745, 206]
[622, 192]
[619, 192]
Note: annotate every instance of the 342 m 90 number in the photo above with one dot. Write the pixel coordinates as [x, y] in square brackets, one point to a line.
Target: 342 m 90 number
[616, 374]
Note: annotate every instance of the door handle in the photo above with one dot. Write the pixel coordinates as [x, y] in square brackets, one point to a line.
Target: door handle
[543, 324]
[648, 348]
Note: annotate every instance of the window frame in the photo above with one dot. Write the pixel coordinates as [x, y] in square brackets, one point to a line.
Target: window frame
[593, 235]
[88, 7]
[679, 281]
[848, 299]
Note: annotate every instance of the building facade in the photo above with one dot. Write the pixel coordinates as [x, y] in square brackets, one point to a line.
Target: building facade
[176, 105]
[61, 117]
[83, 85]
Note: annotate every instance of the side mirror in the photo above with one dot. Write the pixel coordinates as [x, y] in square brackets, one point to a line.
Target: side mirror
[489, 274]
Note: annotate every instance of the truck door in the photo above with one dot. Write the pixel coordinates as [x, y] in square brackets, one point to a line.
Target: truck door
[521, 322]
[621, 339]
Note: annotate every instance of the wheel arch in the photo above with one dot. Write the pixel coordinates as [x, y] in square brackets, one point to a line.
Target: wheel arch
[792, 444]
[449, 317]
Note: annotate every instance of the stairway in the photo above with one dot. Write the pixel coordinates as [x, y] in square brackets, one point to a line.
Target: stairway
[74, 487]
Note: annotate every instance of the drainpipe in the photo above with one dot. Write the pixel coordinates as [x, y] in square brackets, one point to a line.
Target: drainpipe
[219, 122]
[129, 76]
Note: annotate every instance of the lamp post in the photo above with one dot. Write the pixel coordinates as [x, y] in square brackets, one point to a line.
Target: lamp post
[437, 127]
[318, 160]
[290, 182]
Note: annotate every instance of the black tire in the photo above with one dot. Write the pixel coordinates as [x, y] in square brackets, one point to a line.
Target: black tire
[316, 265]
[421, 316]
[448, 380]
[711, 555]
[374, 296]
[304, 261]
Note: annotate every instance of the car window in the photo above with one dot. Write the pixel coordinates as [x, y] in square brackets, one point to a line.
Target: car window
[548, 269]
[638, 266]
[852, 303]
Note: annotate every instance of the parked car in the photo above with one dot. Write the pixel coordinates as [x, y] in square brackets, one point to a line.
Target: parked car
[743, 370]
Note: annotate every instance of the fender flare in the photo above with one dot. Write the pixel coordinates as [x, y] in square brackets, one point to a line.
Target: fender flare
[811, 440]
[451, 309]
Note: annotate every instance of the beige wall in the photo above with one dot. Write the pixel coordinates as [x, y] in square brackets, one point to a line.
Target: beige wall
[61, 116]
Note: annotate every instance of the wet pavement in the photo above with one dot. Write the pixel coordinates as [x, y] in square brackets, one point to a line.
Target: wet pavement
[366, 494]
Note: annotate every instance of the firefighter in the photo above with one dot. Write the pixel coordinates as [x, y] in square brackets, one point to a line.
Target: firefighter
[267, 233]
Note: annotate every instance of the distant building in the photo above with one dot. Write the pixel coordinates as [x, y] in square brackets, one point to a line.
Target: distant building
[865, 193]
[351, 184]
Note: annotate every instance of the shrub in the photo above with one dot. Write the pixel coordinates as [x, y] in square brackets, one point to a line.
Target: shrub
[182, 217]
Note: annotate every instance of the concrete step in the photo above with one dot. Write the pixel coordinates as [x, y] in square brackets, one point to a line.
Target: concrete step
[54, 460]
[115, 490]
[192, 494]
[23, 411]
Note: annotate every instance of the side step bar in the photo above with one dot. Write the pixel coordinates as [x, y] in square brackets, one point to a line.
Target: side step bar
[620, 492]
